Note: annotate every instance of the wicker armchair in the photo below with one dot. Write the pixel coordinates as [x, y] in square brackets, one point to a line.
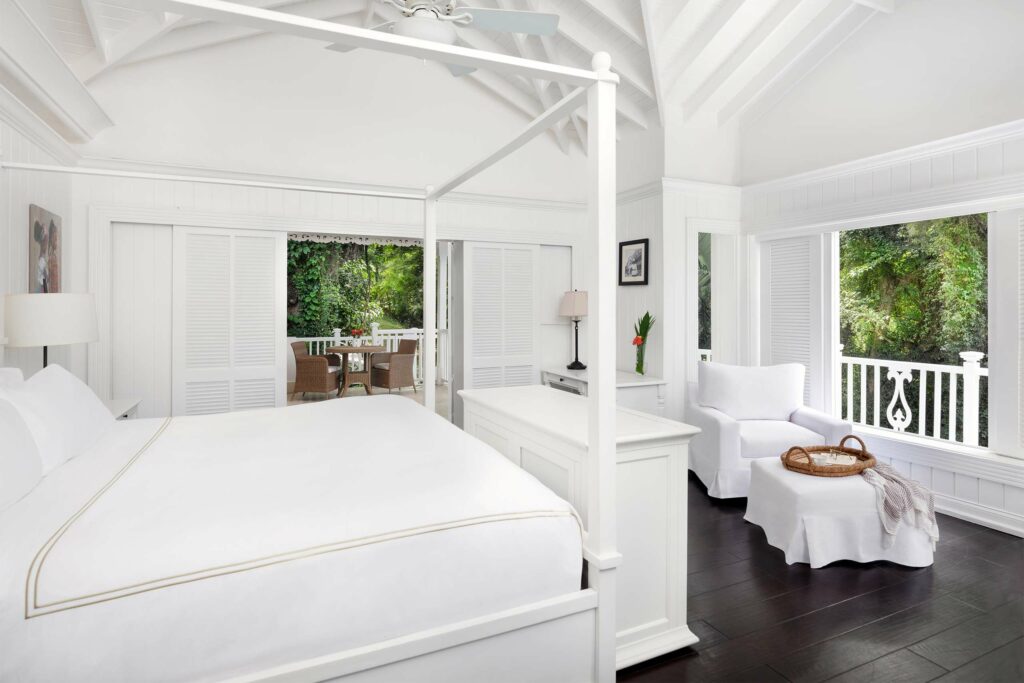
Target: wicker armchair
[315, 373]
[395, 370]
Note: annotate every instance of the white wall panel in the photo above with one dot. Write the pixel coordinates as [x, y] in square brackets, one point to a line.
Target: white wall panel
[19, 189]
[962, 174]
[556, 332]
[639, 218]
[141, 316]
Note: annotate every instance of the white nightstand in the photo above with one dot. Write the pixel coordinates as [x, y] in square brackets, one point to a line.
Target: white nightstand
[123, 408]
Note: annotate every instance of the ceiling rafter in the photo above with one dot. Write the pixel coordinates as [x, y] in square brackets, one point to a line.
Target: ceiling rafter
[613, 13]
[647, 11]
[584, 37]
[92, 18]
[115, 49]
[695, 100]
[805, 36]
[686, 53]
[526, 51]
[209, 34]
[817, 49]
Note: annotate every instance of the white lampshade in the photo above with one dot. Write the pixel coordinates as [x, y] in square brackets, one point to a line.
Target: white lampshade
[50, 319]
[574, 305]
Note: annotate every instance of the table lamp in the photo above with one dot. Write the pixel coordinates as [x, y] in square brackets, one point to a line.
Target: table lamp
[49, 320]
[574, 306]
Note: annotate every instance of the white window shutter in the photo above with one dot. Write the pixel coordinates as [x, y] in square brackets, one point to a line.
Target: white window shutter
[1006, 332]
[791, 309]
[503, 325]
[228, 351]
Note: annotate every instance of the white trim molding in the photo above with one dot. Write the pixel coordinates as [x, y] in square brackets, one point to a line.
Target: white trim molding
[970, 173]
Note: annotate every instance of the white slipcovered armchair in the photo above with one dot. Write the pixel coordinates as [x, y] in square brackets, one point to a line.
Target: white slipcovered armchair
[746, 413]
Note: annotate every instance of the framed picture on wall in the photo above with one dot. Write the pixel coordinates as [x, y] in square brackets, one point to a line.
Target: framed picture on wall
[633, 262]
[44, 236]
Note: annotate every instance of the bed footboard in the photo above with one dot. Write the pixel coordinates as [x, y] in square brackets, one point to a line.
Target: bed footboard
[552, 640]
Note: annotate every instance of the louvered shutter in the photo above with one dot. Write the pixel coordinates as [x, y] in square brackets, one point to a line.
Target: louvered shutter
[229, 320]
[791, 320]
[1006, 332]
[502, 327]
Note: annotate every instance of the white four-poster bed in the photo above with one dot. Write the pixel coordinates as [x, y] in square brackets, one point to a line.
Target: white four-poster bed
[568, 637]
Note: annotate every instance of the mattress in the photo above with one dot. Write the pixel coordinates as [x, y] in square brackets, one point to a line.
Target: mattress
[198, 548]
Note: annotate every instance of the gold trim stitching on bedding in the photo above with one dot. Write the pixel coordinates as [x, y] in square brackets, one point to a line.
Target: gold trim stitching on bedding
[34, 609]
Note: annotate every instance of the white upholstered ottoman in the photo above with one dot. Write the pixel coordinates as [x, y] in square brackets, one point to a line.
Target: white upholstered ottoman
[819, 520]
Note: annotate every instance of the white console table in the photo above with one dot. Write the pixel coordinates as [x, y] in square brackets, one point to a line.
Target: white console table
[639, 392]
[544, 431]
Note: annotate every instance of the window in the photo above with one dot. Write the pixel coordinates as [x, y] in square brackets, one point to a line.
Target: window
[913, 309]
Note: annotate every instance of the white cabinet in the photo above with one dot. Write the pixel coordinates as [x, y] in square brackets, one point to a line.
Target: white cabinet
[646, 394]
[545, 432]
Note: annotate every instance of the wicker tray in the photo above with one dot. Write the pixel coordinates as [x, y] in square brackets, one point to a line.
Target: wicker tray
[798, 459]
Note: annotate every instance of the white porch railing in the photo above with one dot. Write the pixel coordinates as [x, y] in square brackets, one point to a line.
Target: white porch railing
[919, 398]
[704, 354]
[389, 339]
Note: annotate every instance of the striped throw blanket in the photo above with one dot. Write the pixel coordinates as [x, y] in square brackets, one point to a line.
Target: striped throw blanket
[900, 498]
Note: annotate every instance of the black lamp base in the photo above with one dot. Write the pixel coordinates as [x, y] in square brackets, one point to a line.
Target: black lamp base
[576, 364]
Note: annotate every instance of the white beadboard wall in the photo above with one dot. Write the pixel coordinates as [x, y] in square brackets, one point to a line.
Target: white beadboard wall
[640, 216]
[141, 315]
[979, 171]
[674, 211]
[17, 192]
[98, 203]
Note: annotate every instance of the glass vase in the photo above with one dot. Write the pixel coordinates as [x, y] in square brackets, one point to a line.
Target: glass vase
[640, 369]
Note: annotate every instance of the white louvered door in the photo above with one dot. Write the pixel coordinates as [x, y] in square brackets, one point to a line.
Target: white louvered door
[792, 324]
[502, 325]
[229, 327]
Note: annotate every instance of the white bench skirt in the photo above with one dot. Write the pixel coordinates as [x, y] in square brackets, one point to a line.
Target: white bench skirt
[820, 520]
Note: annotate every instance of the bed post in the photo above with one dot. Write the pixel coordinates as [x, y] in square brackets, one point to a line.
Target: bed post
[429, 299]
[603, 557]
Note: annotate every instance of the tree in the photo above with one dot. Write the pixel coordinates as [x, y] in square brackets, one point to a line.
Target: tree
[332, 285]
[915, 292]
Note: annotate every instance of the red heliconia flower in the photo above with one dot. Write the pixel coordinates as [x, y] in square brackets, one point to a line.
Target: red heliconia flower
[638, 340]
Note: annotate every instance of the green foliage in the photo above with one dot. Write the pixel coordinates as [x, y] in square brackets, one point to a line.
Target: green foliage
[704, 290]
[343, 285]
[915, 292]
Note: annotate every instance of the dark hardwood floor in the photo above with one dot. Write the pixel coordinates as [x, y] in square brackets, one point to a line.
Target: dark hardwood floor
[762, 620]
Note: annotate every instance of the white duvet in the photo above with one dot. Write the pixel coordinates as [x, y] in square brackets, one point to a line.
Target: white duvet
[202, 547]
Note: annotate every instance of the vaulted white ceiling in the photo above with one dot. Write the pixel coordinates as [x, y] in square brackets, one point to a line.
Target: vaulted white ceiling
[712, 61]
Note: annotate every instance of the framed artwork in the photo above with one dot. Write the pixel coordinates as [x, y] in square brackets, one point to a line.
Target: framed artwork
[633, 260]
[43, 250]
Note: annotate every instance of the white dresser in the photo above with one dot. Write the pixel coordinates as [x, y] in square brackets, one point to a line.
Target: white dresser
[544, 431]
[639, 392]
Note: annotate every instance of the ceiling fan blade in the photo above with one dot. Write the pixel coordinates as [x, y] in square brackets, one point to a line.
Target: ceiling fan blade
[512, 21]
[342, 47]
[458, 70]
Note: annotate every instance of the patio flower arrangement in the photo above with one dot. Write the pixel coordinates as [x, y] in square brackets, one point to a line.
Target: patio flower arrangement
[642, 328]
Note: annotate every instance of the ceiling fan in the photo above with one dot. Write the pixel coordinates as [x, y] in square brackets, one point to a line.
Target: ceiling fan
[439, 20]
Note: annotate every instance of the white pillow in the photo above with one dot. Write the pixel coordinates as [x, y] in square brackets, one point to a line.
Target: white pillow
[20, 467]
[771, 392]
[11, 377]
[64, 416]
